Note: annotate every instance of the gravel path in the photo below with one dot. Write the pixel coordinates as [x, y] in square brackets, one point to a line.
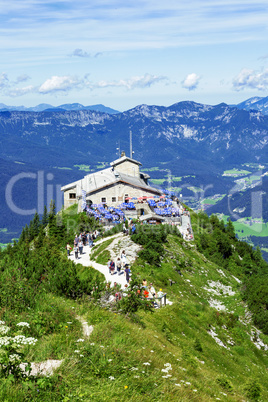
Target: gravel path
[84, 259]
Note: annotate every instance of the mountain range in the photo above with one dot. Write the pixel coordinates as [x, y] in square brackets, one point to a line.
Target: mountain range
[255, 103]
[187, 139]
[68, 106]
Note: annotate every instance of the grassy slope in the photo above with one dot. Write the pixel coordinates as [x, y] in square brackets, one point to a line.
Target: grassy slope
[119, 348]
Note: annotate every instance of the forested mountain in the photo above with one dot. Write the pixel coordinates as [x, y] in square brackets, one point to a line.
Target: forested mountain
[208, 345]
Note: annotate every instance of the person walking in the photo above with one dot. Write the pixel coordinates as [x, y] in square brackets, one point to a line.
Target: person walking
[80, 246]
[123, 258]
[109, 266]
[118, 266]
[127, 273]
[112, 267]
[68, 248]
[76, 251]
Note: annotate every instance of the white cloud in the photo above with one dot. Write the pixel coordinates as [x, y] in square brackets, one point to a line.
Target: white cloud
[23, 78]
[251, 79]
[60, 84]
[191, 81]
[15, 92]
[80, 53]
[144, 81]
[4, 81]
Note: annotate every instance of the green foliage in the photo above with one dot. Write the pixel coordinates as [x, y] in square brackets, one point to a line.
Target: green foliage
[133, 355]
[103, 257]
[225, 383]
[219, 244]
[198, 345]
[98, 249]
[133, 301]
[152, 239]
[253, 390]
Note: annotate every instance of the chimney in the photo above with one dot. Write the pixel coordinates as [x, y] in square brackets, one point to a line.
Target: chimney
[123, 153]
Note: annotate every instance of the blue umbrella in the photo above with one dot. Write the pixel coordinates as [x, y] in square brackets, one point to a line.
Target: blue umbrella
[168, 202]
[160, 204]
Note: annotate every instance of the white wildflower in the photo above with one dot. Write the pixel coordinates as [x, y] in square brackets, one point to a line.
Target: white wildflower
[4, 329]
[101, 346]
[2, 322]
[80, 340]
[152, 351]
[146, 364]
[81, 355]
[133, 368]
[136, 376]
[110, 360]
[13, 358]
[111, 377]
[178, 385]
[69, 322]
[77, 351]
[188, 383]
[22, 340]
[23, 324]
[4, 341]
[92, 344]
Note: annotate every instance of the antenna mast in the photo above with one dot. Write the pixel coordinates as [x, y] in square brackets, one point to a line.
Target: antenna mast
[130, 144]
[118, 149]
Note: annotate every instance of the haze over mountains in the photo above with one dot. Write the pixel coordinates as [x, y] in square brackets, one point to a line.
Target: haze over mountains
[68, 106]
[255, 103]
[186, 139]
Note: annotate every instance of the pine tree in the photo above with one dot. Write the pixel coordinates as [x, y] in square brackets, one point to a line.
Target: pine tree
[230, 230]
[36, 224]
[45, 217]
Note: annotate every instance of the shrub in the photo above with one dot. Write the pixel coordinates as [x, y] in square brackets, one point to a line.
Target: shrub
[224, 382]
[253, 390]
[197, 345]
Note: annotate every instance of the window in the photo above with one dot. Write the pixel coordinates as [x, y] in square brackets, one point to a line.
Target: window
[72, 195]
[103, 199]
[113, 199]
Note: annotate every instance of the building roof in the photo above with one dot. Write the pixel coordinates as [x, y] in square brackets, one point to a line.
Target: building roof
[151, 216]
[123, 159]
[99, 180]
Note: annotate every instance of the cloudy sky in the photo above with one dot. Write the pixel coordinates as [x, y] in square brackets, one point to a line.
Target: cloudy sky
[125, 53]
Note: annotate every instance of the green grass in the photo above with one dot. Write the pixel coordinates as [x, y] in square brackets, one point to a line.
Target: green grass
[236, 172]
[152, 169]
[157, 181]
[125, 356]
[62, 168]
[123, 360]
[84, 168]
[209, 201]
[194, 189]
[98, 249]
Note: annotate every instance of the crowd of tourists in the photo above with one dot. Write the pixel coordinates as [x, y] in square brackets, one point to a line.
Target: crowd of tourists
[119, 266]
[80, 241]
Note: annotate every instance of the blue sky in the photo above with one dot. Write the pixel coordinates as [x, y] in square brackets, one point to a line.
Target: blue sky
[122, 54]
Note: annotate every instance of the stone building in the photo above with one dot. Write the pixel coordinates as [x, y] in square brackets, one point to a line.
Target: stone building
[114, 185]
